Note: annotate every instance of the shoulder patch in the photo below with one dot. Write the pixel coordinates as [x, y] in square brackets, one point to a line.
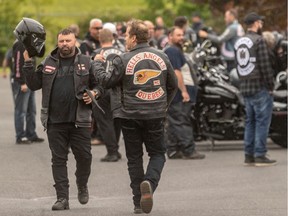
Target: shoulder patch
[49, 69]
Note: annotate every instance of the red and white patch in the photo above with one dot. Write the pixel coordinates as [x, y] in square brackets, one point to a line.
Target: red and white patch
[149, 96]
[49, 69]
[81, 67]
[156, 82]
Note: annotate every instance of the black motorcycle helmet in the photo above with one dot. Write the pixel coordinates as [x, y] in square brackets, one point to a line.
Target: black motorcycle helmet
[32, 34]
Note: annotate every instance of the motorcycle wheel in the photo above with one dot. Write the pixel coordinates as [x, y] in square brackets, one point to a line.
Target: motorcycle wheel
[280, 140]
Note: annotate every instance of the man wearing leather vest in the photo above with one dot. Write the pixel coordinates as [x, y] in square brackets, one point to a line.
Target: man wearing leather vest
[108, 128]
[144, 83]
[91, 41]
[67, 80]
[256, 85]
[88, 46]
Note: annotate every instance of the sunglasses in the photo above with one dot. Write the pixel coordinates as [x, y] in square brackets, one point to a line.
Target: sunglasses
[97, 28]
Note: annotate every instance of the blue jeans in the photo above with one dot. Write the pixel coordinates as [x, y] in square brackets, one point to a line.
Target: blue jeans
[151, 133]
[25, 110]
[259, 109]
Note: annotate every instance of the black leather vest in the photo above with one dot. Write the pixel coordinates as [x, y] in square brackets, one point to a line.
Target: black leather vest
[144, 83]
[246, 56]
[81, 82]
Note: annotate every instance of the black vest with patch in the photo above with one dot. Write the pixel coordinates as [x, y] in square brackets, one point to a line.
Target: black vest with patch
[246, 56]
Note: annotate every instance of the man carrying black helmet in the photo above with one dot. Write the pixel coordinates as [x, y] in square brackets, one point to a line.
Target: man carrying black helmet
[68, 86]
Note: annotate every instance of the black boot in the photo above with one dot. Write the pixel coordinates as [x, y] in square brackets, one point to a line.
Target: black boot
[61, 204]
[83, 195]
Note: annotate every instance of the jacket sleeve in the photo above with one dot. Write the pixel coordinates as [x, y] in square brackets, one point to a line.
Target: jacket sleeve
[18, 50]
[225, 36]
[265, 65]
[171, 84]
[113, 75]
[94, 82]
[33, 78]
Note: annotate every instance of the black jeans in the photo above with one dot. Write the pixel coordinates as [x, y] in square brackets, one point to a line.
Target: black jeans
[107, 127]
[151, 133]
[60, 137]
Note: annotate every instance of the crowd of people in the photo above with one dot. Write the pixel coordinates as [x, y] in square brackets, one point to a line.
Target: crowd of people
[133, 78]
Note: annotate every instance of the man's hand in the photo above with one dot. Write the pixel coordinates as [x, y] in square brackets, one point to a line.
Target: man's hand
[86, 97]
[4, 74]
[26, 56]
[100, 56]
[24, 88]
[186, 97]
[203, 34]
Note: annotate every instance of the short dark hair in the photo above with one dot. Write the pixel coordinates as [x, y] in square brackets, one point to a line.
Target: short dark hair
[172, 29]
[139, 29]
[66, 31]
[196, 14]
[233, 12]
[180, 21]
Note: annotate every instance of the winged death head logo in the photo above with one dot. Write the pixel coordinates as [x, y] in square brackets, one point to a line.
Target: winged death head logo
[143, 76]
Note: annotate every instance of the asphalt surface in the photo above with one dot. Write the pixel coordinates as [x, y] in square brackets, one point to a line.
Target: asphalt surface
[216, 186]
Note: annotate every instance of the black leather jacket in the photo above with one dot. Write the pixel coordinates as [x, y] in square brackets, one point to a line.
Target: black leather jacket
[143, 81]
[84, 78]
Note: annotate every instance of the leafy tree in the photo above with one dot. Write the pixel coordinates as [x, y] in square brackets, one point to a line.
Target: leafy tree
[170, 9]
[274, 11]
[8, 20]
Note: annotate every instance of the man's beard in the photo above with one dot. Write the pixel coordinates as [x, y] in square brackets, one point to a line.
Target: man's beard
[259, 31]
[66, 51]
[179, 45]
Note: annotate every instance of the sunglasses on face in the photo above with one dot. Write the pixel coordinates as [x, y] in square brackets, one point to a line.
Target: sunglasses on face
[97, 28]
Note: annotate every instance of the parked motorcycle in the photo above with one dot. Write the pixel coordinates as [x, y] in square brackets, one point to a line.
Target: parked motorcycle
[219, 112]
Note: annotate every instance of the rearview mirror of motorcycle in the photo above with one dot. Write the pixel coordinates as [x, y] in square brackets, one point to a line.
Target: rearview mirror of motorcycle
[206, 44]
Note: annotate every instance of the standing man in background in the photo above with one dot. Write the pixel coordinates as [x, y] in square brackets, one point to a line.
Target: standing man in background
[108, 127]
[180, 130]
[91, 41]
[25, 105]
[88, 46]
[256, 85]
[227, 39]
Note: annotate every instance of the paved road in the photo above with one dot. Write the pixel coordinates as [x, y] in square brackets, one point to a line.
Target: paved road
[216, 186]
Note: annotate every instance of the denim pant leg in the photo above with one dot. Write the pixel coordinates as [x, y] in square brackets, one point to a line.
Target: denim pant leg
[249, 140]
[155, 146]
[81, 147]
[133, 139]
[14, 88]
[58, 137]
[174, 127]
[180, 130]
[21, 107]
[259, 112]
[188, 145]
[30, 117]
[263, 110]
